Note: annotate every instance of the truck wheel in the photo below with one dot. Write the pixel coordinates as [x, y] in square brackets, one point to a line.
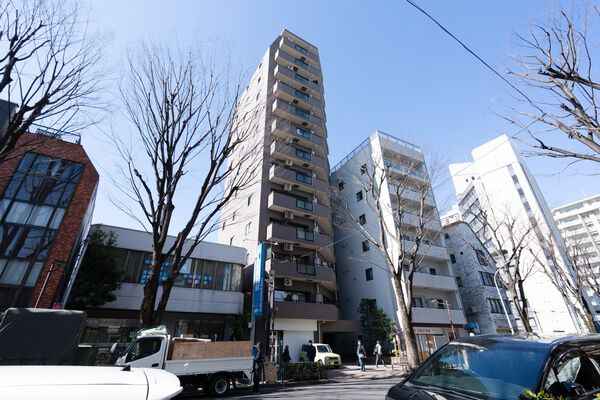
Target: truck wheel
[219, 385]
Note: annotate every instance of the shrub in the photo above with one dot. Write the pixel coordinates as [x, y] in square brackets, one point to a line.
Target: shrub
[303, 371]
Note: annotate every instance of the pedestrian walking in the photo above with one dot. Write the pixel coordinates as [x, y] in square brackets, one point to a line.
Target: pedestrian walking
[256, 366]
[362, 355]
[311, 352]
[285, 357]
[378, 355]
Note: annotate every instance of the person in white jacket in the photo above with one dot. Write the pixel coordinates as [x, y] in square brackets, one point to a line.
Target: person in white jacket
[378, 355]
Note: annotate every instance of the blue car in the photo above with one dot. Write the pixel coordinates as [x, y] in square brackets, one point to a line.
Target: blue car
[498, 367]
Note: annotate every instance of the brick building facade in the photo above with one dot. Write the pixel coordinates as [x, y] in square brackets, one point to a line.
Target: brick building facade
[48, 189]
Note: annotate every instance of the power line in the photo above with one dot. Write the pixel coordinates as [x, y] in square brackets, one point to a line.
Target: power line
[481, 60]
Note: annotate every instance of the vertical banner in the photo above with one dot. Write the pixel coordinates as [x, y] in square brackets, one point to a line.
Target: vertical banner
[258, 286]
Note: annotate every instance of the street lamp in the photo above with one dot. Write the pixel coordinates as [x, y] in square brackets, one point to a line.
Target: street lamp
[512, 331]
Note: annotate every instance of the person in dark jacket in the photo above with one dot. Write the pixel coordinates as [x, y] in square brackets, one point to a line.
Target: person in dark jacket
[362, 355]
[285, 356]
[311, 352]
[256, 366]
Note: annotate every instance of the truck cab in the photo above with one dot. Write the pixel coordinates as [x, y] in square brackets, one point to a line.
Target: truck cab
[146, 352]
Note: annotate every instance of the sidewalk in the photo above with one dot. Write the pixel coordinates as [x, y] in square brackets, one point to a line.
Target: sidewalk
[351, 372]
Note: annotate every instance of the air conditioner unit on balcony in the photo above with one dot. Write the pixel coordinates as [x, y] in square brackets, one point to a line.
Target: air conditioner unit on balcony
[289, 162]
[288, 215]
[472, 310]
[287, 187]
[319, 298]
[288, 140]
[288, 246]
[287, 282]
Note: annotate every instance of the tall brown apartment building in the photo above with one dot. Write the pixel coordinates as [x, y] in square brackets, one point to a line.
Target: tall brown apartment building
[289, 207]
[47, 195]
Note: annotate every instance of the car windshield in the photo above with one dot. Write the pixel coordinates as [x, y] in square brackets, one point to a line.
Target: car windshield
[323, 348]
[492, 371]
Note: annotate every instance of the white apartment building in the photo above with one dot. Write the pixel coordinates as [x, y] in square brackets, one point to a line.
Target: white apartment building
[498, 182]
[485, 302]
[361, 268]
[579, 224]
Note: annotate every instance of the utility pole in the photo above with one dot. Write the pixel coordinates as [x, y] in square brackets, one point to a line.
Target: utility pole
[512, 331]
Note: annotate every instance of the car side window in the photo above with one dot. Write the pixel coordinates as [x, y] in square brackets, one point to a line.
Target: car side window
[573, 367]
[144, 347]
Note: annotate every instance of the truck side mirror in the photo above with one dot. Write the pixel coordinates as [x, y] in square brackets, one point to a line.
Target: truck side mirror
[573, 389]
[113, 348]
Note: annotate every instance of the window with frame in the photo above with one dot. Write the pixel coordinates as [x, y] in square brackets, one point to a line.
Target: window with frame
[359, 195]
[495, 306]
[249, 200]
[363, 169]
[452, 258]
[369, 274]
[459, 281]
[341, 185]
[487, 279]
[365, 246]
[303, 154]
[362, 219]
[417, 302]
[248, 228]
[481, 259]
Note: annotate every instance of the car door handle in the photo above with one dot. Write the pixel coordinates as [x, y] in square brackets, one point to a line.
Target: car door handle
[154, 365]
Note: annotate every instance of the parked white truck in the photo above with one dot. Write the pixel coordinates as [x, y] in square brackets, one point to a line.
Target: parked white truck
[212, 366]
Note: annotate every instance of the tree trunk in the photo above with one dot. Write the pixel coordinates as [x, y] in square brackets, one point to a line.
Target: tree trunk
[520, 306]
[408, 333]
[147, 316]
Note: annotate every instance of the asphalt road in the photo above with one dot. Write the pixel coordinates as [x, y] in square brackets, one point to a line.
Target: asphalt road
[356, 389]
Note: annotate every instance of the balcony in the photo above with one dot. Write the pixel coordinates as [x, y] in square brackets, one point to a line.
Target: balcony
[302, 310]
[297, 115]
[299, 157]
[404, 170]
[298, 180]
[431, 224]
[428, 250]
[302, 136]
[297, 63]
[307, 239]
[437, 316]
[411, 196]
[298, 50]
[440, 282]
[295, 96]
[294, 270]
[297, 81]
[303, 208]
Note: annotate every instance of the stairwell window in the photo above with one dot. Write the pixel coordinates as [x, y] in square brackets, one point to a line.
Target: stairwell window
[231, 239]
[341, 185]
[359, 195]
[369, 274]
[248, 228]
[452, 258]
[365, 246]
[362, 219]
[363, 169]
[249, 199]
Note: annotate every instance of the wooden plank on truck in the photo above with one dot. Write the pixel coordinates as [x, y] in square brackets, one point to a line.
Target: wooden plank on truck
[183, 350]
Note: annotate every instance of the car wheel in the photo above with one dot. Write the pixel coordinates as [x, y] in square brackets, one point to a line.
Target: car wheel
[219, 385]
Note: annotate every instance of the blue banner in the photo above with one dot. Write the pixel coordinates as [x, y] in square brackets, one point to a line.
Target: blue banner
[258, 286]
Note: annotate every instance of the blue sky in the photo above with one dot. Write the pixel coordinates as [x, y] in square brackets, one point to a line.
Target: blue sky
[385, 67]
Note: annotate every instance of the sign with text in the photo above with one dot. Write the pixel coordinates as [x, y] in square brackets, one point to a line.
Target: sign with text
[258, 286]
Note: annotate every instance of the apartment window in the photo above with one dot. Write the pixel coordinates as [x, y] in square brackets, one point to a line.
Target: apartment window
[302, 113]
[458, 281]
[359, 195]
[301, 94]
[452, 258]
[249, 199]
[303, 133]
[515, 179]
[432, 271]
[302, 177]
[417, 302]
[223, 225]
[521, 192]
[341, 185]
[362, 219]
[303, 154]
[233, 216]
[481, 257]
[495, 306]
[231, 239]
[301, 63]
[248, 228]
[363, 169]
[446, 236]
[365, 246]
[301, 49]
[369, 274]
[441, 304]
[487, 278]
[305, 235]
[304, 204]
[301, 79]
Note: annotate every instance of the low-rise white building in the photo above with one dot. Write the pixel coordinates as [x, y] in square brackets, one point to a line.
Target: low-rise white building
[474, 269]
[361, 268]
[206, 295]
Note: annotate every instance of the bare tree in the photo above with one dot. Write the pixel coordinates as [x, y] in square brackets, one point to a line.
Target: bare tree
[50, 70]
[399, 193]
[507, 239]
[556, 66]
[184, 124]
